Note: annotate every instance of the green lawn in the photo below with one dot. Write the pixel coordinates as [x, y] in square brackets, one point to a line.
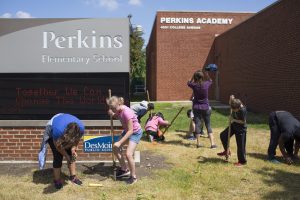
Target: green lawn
[193, 173]
[219, 117]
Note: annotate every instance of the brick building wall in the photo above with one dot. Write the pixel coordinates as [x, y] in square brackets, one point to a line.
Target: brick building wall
[259, 60]
[23, 144]
[173, 55]
[151, 63]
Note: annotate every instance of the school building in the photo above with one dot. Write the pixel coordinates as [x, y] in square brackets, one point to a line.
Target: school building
[258, 55]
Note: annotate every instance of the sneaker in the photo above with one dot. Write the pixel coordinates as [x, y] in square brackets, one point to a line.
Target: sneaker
[151, 138]
[223, 153]
[238, 164]
[58, 184]
[213, 146]
[199, 145]
[191, 138]
[122, 173]
[131, 180]
[76, 181]
[274, 161]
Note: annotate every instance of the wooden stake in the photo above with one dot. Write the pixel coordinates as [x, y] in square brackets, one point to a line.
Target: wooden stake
[112, 142]
[172, 121]
[229, 132]
[148, 97]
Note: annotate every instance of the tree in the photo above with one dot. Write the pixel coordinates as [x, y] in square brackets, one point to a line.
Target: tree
[137, 55]
[137, 59]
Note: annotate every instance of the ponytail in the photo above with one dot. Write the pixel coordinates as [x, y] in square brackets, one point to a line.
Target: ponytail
[115, 101]
[121, 100]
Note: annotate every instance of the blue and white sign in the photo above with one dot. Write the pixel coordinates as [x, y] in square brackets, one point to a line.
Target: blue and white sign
[98, 143]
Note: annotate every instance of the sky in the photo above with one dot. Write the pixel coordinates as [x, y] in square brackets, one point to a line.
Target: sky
[143, 11]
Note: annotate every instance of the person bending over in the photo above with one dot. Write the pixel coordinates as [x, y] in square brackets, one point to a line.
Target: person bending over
[285, 129]
[62, 133]
[153, 125]
[141, 109]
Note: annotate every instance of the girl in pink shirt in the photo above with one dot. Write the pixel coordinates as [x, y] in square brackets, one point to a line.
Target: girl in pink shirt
[152, 127]
[132, 132]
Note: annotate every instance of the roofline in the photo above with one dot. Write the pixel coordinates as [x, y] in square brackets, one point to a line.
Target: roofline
[188, 11]
[262, 10]
[259, 12]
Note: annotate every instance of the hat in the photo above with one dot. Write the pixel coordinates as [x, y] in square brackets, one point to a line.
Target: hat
[211, 67]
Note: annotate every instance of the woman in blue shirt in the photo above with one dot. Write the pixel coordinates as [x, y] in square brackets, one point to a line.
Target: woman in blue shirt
[63, 133]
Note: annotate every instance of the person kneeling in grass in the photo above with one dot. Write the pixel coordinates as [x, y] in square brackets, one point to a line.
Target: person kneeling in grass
[285, 128]
[63, 133]
[132, 132]
[239, 128]
[153, 125]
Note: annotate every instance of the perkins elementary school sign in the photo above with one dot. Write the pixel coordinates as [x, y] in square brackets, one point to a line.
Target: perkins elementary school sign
[48, 66]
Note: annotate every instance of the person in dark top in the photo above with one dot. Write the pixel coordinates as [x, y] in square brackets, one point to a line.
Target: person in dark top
[285, 129]
[239, 128]
[200, 84]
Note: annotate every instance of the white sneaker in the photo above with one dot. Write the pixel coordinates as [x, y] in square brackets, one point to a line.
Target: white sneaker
[151, 138]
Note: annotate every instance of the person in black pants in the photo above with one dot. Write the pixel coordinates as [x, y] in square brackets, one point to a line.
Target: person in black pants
[63, 133]
[285, 129]
[239, 128]
[200, 84]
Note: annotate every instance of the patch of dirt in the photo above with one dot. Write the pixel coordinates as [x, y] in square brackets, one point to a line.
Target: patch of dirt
[149, 162]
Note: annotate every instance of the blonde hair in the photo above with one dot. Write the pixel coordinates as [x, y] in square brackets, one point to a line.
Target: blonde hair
[115, 101]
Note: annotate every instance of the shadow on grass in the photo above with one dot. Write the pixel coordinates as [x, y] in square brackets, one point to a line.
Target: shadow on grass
[45, 177]
[104, 172]
[185, 137]
[259, 156]
[287, 180]
[100, 172]
[202, 160]
[264, 158]
[181, 131]
[178, 143]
